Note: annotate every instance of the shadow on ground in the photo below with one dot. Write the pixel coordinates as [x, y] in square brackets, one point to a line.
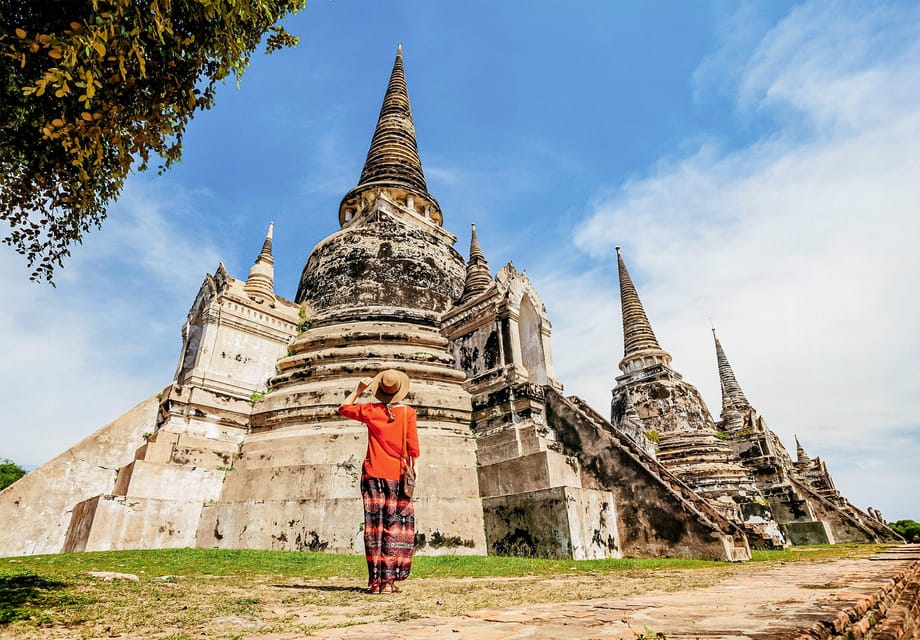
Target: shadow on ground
[320, 587]
[20, 594]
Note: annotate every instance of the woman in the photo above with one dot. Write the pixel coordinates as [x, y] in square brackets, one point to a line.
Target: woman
[392, 443]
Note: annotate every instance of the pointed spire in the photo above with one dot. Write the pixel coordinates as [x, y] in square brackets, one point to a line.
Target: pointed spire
[732, 396]
[260, 285]
[801, 456]
[478, 276]
[393, 163]
[640, 346]
[266, 252]
[475, 249]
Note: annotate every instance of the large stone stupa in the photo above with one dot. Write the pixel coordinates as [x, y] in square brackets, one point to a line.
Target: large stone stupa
[372, 296]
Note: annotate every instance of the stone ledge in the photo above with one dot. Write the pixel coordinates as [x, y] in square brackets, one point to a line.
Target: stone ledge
[892, 612]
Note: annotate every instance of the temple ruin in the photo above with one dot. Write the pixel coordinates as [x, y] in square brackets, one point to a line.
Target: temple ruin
[244, 448]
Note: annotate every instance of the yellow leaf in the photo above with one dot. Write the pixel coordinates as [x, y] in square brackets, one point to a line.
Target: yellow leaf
[57, 122]
[99, 47]
[60, 93]
[21, 34]
[55, 53]
[87, 116]
[75, 25]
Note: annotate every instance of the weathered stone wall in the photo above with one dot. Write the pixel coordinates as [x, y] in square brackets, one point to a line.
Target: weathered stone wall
[385, 262]
[478, 351]
[690, 446]
[560, 522]
[556, 482]
[663, 401]
[655, 516]
[109, 523]
[806, 533]
[37, 509]
[841, 526]
[232, 342]
[808, 507]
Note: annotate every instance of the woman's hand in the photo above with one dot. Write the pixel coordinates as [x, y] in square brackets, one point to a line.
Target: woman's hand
[362, 385]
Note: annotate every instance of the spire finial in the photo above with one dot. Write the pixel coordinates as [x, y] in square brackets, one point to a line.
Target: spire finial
[393, 164]
[640, 346]
[732, 396]
[478, 276]
[260, 285]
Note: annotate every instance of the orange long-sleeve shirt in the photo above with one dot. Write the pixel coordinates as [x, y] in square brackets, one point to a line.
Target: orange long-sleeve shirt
[384, 438]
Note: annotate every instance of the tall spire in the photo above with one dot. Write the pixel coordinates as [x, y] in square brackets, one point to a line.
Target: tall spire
[732, 396]
[478, 276]
[393, 163]
[801, 456]
[260, 285]
[640, 347]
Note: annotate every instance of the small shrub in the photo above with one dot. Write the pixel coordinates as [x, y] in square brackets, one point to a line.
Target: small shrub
[305, 322]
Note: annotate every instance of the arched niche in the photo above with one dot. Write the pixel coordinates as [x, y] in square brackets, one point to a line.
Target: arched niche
[532, 357]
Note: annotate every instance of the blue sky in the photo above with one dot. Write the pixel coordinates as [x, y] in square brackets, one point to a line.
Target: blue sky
[757, 162]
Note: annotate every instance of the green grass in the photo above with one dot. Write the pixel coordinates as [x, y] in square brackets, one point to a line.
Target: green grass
[224, 562]
[819, 552]
[39, 593]
[220, 562]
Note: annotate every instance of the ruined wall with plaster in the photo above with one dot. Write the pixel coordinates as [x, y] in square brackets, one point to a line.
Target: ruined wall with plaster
[657, 516]
[37, 509]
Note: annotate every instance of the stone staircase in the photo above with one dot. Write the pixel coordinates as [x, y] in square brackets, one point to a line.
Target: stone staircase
[756, 536]
[607, 435]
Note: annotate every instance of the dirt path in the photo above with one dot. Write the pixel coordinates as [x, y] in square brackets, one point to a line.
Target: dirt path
[784, 601]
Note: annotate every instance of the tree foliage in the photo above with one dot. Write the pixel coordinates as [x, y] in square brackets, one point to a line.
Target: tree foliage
[91, 88]
[907, 529]
[10, 472]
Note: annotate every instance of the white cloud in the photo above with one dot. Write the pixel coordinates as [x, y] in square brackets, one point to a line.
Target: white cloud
[801, 246]
[79, 355]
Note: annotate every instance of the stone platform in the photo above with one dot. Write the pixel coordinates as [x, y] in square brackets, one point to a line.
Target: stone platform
[871, 599]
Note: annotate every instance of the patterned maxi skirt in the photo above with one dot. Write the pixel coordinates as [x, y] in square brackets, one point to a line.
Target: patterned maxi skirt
[389, 530]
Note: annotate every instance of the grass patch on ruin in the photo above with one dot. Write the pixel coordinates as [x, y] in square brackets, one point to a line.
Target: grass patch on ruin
[198, 594]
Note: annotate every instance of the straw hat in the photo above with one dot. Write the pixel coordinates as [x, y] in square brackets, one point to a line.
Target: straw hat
[390, 386]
